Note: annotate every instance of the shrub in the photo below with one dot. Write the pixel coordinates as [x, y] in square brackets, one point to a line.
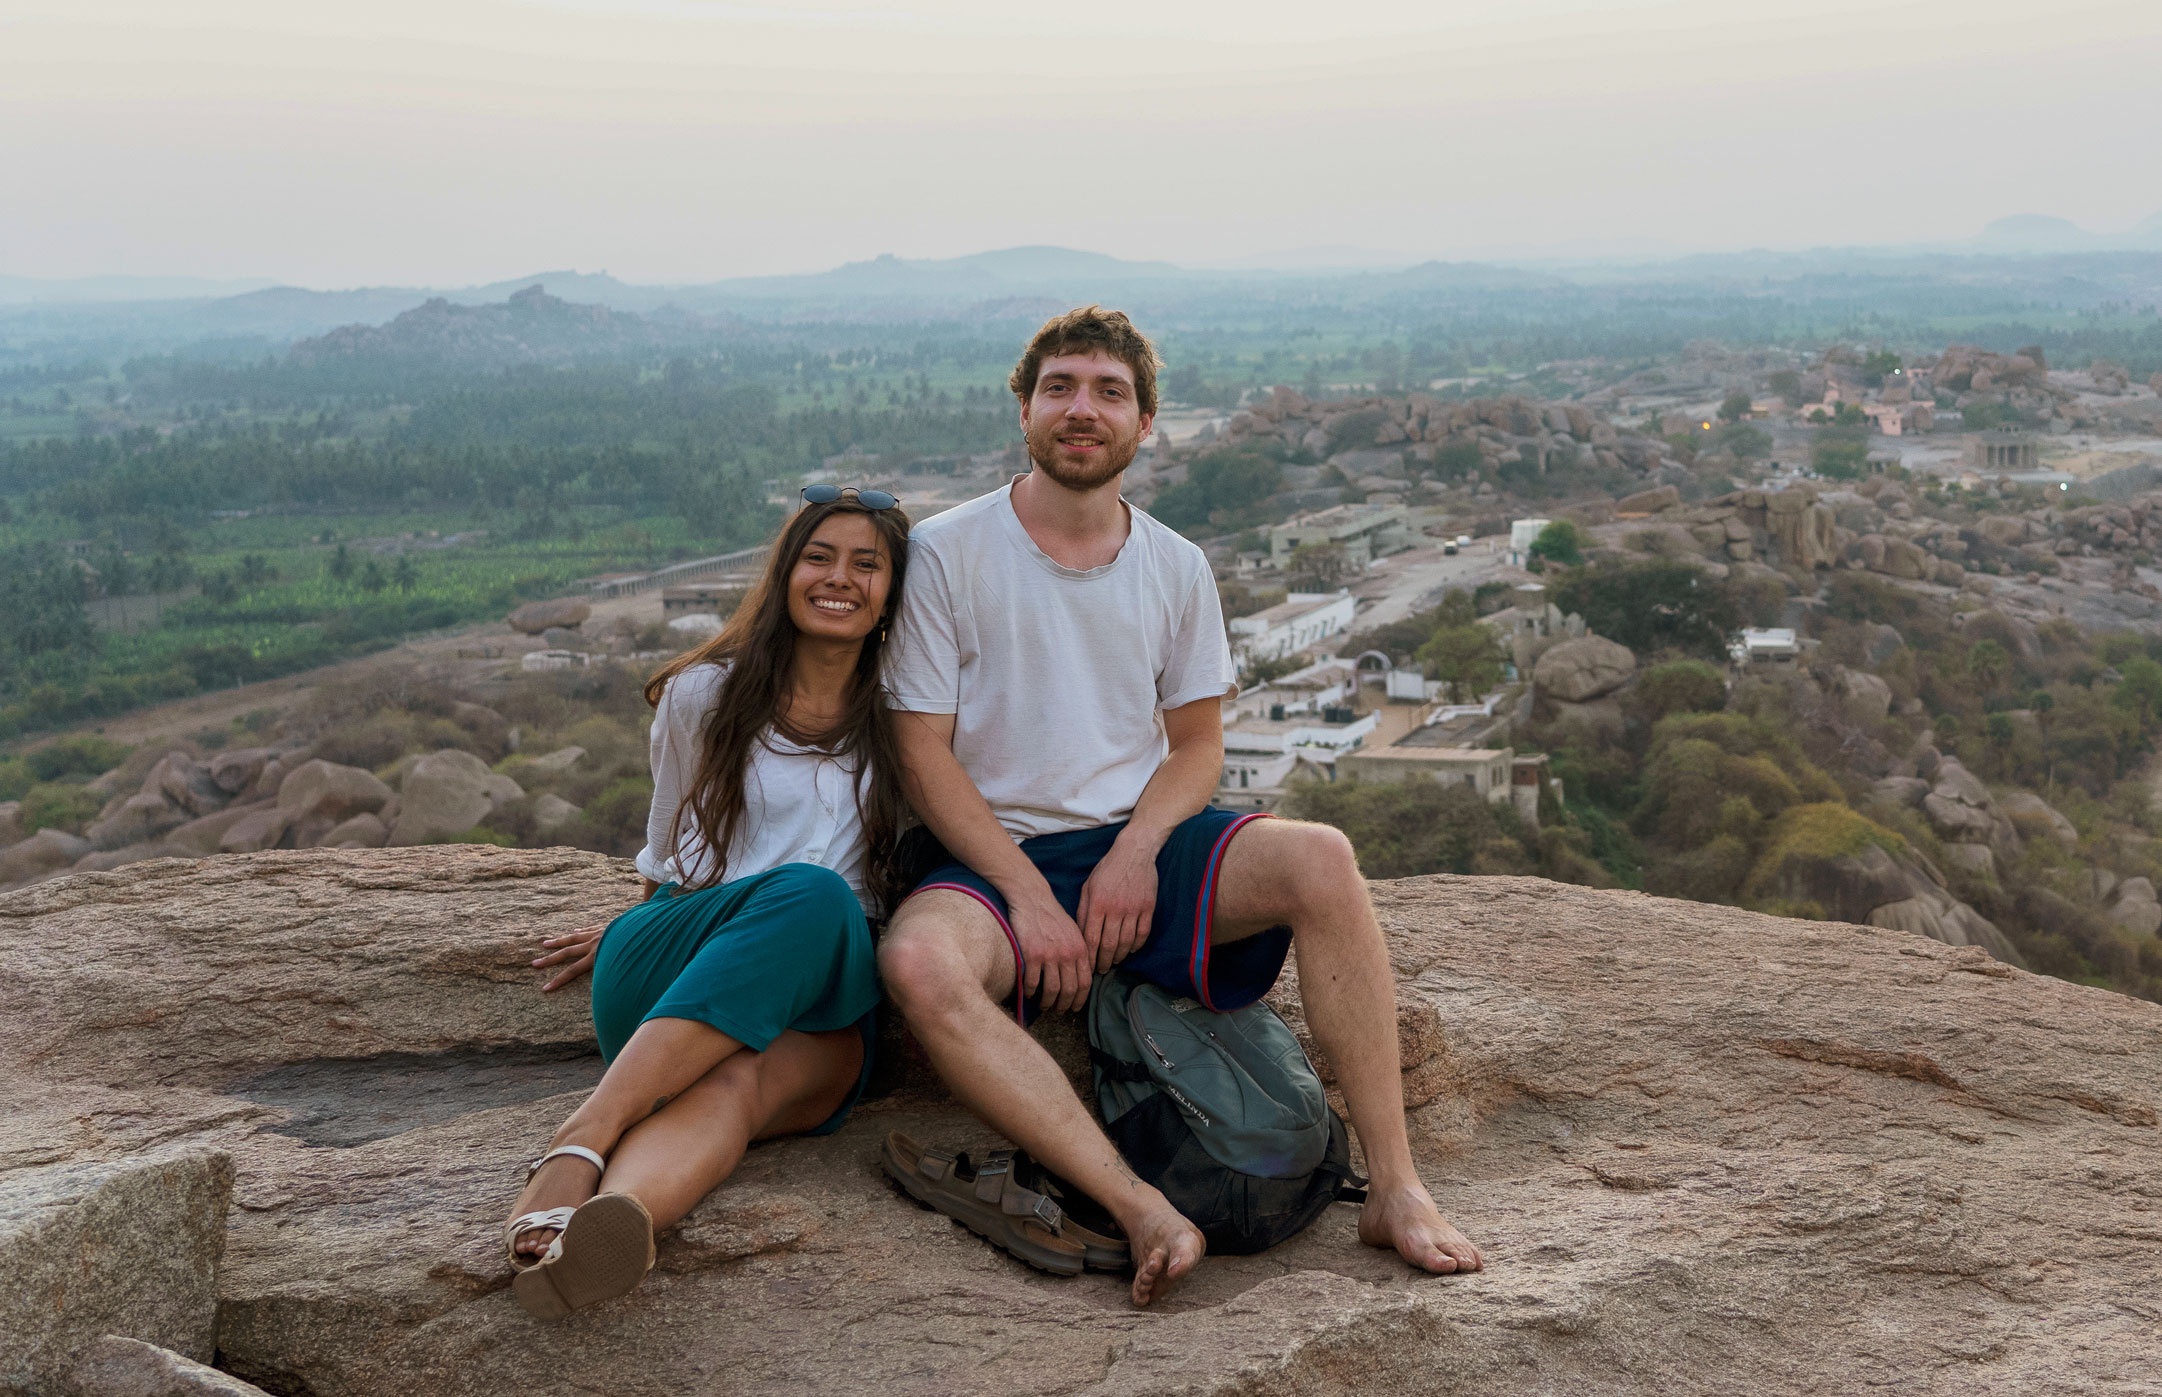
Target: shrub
[77, 754]
[61, 807]
[1679, 686]
[1403, 828]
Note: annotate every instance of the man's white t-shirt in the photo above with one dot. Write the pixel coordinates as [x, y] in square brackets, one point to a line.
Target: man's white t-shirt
[1056, 676]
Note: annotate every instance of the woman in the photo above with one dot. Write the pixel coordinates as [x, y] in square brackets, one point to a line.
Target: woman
[734, 1003]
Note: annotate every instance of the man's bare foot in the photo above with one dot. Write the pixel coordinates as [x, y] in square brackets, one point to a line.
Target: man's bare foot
[1165, 1247]
[1407, 1220]
[563, 1182]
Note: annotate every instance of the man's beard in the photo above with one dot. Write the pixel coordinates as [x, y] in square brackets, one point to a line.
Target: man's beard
[1043, 449]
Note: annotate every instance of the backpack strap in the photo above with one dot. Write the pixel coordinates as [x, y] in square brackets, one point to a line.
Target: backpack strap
[1116, 1068]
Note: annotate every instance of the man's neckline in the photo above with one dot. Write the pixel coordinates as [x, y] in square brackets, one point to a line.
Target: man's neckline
[1044, 555]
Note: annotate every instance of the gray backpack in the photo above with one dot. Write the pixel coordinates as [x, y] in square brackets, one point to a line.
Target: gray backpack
[1220, 1111]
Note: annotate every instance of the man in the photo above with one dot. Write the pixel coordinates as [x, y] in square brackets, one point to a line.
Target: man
[1058, 669]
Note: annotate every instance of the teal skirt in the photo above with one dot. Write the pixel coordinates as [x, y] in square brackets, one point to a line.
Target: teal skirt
[787, 948]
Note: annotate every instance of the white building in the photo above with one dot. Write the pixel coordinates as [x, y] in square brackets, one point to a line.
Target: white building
[1322, 684]
[1299, 622]
[1777, 645]
[1523, 533]
[1262, 754]
[1365, 532]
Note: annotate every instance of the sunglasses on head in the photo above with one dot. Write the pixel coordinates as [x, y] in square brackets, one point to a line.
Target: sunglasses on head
[869, 499]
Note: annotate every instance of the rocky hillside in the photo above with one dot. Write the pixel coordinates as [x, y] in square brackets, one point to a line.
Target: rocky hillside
[269, 1112]
[532, 327]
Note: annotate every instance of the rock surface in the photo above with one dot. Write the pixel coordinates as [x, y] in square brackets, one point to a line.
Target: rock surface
[116, 1367]
[447, 793]
[1586, 668]
[94, 1247]
[1705, 1151]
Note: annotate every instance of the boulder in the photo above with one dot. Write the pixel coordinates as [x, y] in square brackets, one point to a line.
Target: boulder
[236, 768]
[1857, 1141]
[92, 1248]
[1649, 501]
[2036, 818]
[2140, 916]
[323, 790]
[447, 793]
[1588, 667]
[1961, 809]
[207, 835]
[537, 616]
[1974, 858]
[364, 831]
[11, 823]
[1864, 697]
[561, 759]
[187, 783]
[117, 1367]
[551, 812]
[47, 851]
[261, 828]
[144, 815]
[488, 727]
[1900, 790]
[1883, 642]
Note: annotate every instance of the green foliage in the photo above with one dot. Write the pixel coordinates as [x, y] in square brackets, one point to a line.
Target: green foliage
[1467, 657]
[1880, 365]
[1457, 459]
[1356, 428]
[1734, 407]
[74, 756]
[1679, 686]
[1788, 385]
[67, 807]
[1220, 492]
[1653, 606]
[2139, 693]
[1987, 662]
[1405, 828]
[1559, 542]
[1839, 457]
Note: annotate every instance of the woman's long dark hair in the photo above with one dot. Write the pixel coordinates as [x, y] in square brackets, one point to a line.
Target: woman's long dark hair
[759, 646]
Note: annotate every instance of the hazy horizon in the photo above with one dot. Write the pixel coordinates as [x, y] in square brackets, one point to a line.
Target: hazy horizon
[676, 141]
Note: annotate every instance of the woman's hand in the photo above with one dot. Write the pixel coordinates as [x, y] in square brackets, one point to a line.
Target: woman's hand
[574, 951]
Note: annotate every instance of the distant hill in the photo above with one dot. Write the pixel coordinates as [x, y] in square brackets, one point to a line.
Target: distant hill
[529, 327]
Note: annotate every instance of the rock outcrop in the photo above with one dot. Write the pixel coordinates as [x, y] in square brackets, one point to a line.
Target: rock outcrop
[1705, 1151]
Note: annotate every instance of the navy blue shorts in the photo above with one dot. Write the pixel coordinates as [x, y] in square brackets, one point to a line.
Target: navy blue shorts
[1177, 954]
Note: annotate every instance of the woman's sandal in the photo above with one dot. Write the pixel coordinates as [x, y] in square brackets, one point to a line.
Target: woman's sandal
[546, 1219]
[992, 1203]
[604, 1249]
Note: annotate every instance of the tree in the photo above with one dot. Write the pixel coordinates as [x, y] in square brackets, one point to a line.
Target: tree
[371, 577]
[219, 588]
[1653, 606]
[405, 575]
[1880, 365]
[1788, 385]
[1404, 828]
[1734, 407]
[1840, 457]
[1559, 542]
[1320, 567]
[340, 566]
[2140, 691]
[255, 570]
[1987, 662]
[1467, 658]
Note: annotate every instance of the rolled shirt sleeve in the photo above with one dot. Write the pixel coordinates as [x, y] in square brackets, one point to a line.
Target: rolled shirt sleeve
[1199, 663]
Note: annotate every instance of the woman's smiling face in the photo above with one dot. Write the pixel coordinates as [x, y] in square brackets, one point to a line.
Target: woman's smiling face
[839, 585]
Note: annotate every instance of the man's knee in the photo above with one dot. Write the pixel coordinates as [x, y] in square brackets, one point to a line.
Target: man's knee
[923, 957]
[1322, 868]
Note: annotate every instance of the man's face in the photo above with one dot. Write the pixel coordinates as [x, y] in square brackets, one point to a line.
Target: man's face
[1084, 421]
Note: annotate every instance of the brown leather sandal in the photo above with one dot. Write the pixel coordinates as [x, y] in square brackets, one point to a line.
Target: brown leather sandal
[988, 1201]
[1088, 1222]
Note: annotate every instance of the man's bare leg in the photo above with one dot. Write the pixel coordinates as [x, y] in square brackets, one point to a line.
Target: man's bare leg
[947, 965]
[1288, 873]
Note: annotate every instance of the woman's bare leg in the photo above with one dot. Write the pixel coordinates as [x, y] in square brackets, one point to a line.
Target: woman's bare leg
[678, 1155]
[662, 1060]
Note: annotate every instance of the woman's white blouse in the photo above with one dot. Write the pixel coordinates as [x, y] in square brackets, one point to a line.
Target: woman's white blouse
[799, 803]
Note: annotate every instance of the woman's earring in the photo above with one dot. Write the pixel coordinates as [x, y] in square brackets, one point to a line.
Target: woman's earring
[881, 630]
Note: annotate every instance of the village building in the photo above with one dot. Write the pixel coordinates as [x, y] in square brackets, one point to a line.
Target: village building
[1484, 769]
[1262, 755]
[2003, 449]
[1777, 645]
[1364, 531]
[700, 599]
[1299, 622]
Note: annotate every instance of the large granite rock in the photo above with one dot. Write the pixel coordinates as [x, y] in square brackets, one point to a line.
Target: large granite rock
[1705, 1151]
[116, 1367]
[97, 1247]
[1586, 668]
[537, 616]
[447, 793]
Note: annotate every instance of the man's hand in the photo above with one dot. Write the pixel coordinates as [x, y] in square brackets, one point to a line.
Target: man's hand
[1056, 957]
[1118, 902]
[576, 947]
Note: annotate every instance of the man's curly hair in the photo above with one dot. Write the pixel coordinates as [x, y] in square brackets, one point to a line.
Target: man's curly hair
[1087, 330]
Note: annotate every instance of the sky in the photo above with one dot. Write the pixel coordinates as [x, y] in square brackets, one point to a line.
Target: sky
[453, 142]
